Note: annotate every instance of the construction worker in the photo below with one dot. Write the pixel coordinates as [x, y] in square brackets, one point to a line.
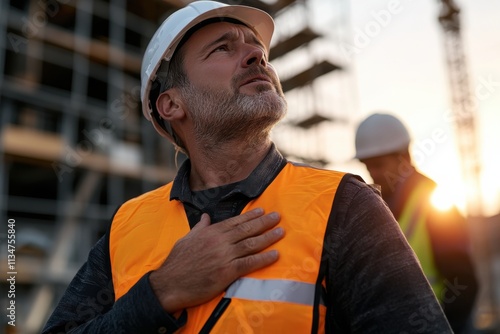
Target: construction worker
[438, 237]
[242, 241]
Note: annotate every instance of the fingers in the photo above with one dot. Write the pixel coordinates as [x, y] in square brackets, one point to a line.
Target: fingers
[246, 225]
[258, 243]
[244, 217]
[255, 227]
[242, 236]
[218, 254]
[230, 223]
[249, 224]
[248, 264]
[204, 222]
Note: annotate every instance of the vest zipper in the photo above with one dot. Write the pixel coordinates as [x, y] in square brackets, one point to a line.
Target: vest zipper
[216, 314]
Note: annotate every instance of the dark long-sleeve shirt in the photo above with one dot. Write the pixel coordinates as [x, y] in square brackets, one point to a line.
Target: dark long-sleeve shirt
[375, 284]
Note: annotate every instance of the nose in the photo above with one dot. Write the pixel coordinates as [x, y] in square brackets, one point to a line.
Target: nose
[255, 56]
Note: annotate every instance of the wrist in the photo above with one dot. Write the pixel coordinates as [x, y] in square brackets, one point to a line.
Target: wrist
[165, 296]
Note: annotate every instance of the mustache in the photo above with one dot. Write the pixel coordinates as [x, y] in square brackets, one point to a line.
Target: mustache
[256, 71]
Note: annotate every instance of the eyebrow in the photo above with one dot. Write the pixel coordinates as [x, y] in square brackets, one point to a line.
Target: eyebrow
[229, 36]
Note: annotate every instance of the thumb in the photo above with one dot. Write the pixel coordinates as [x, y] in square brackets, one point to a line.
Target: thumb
[204, 222]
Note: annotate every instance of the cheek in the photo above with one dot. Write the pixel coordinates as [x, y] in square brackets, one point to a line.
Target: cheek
[210, 75]
[377, 173]
[271, 68]
[273, 73]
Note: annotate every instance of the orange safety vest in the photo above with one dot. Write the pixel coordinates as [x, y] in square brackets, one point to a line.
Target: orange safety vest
[277, 299]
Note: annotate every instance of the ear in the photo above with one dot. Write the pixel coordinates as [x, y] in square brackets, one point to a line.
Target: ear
[170, 106]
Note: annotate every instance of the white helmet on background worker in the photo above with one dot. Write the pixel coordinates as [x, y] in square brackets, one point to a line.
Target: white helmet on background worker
[166, 40]
[380, 134]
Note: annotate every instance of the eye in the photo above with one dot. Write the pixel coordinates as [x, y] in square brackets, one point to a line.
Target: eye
[222, 47]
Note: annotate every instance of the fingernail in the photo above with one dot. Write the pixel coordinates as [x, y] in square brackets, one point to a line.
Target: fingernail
[274, 215]
[279, 231]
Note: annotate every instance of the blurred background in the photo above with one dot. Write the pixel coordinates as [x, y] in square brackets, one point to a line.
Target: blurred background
[74, 144]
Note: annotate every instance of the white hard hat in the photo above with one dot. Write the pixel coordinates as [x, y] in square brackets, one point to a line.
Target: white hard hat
[380, 134]
[166, 39]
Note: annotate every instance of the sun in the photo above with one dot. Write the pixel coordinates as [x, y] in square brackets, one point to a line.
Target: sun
[442, 198]
[449, 194]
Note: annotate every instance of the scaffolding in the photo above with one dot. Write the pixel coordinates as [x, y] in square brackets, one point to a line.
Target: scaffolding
[465, 120]
[73, 142]
[69, 82]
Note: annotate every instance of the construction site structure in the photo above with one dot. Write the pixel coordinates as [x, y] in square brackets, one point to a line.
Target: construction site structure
[314, 112]
[464, 113]
[463, 106]
[73, 142]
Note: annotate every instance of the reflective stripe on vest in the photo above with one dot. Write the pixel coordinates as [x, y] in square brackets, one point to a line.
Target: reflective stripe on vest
[273, 290]
[413, 223]
[145, 229]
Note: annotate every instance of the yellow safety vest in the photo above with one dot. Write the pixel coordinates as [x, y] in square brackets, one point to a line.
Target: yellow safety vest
[413, 224]
[277, 299]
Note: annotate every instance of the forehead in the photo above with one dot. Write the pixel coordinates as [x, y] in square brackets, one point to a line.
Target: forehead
[216, 30]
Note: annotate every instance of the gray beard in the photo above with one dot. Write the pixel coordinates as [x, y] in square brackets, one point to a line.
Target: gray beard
[221, 117]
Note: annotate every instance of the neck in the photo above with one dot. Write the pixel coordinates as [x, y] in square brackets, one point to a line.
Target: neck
[228, 163]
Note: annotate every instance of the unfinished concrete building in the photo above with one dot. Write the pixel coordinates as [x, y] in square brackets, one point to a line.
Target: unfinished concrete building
[74, 144]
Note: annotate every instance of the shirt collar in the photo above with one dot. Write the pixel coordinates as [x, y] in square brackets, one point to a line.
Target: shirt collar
[252, 186]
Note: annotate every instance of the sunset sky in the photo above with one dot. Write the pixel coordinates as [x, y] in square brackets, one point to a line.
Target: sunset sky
[401, 69]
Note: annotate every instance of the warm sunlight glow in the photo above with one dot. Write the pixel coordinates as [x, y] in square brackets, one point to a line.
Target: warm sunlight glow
[490, 194]
[443, 198]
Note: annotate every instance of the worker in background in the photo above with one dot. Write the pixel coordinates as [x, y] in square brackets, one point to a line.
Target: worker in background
[438, 237]
[242, 241]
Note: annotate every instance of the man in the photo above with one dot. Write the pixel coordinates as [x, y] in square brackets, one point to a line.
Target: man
[438, 237]
[242, 241]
